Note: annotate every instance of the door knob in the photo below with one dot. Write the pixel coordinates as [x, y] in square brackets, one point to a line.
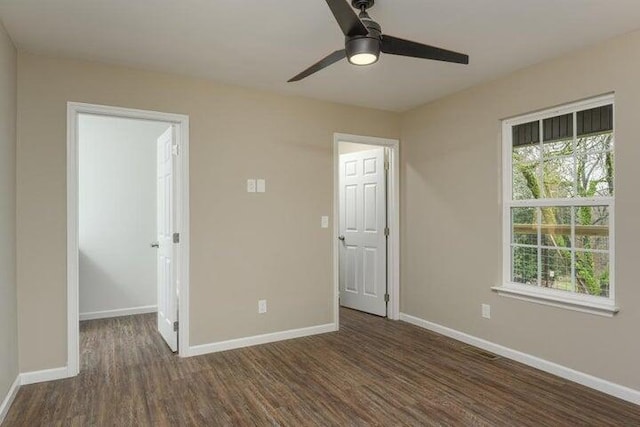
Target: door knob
[155, 244]
[341, 238]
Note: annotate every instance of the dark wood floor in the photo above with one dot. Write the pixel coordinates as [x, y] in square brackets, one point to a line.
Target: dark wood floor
[372, 372]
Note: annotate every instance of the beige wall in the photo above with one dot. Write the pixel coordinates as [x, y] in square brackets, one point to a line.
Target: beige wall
[244, 247]
[451, 213]
[8, 312]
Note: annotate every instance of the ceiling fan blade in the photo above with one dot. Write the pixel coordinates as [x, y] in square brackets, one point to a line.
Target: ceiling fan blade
[347, 18]
[323, 63]
[396, 46]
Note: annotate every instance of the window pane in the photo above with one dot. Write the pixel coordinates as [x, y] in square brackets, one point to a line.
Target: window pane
[557, 128]
[595, 143]
[526, 133]
[525, 181]
[556, 226]
[527, 153]
[525, 265]
[558, 176]
[524, 222]
[556, 269]
[595, 175]
[525, 161]
[592, 273]
[595, 120]
[558, 148]
[592, 227]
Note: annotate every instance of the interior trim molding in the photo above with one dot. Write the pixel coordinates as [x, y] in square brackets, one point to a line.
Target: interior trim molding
[608, 387]
[393, 220]
[181, 195]
[118, 312]
[44, 375]
[550, 297]
[9, 398]
[215, 347]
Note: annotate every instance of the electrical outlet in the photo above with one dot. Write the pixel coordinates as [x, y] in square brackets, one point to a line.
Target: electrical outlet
[261, 185]
[251, 186]
[262, 306]
[324, 222]
[486, 311]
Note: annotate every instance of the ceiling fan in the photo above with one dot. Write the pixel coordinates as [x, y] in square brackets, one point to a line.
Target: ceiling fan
[364, 41]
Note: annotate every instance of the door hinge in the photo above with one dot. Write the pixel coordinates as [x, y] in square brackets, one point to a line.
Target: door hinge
[386, 231]
[175, 326]
[176, 237]
[386, 165]
[386, 297]
[175, 149]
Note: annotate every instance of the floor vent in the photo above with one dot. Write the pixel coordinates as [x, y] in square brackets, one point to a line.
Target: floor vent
[475, 351]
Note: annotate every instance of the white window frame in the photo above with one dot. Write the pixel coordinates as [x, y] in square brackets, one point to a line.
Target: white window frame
[558, 298]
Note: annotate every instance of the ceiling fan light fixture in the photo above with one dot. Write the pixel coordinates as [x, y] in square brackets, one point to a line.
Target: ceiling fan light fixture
[363, 50]
[365, 58]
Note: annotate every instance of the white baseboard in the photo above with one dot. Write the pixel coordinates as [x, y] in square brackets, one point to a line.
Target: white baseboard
[119, 312]
[608, 387]
[260, 339]
[44, 375]
[8, 400]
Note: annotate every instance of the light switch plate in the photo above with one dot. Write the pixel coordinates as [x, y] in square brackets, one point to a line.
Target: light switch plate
[251, 186]
[324, 222]
[486, 311]
[261, 185]
[262, 306]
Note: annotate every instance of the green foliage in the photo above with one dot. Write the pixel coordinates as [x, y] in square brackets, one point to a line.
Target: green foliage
[525, 266]
[585, 272]
[531, 178]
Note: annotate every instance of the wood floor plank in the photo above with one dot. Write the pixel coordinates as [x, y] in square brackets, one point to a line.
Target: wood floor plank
[372, 372]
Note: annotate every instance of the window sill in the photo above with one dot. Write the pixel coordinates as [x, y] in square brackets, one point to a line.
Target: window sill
[557, 299]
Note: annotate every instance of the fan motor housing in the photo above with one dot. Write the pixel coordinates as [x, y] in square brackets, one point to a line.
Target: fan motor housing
[365, 44]
[358, 45]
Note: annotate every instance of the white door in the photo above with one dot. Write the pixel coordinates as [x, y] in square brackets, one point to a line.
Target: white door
[363, 218]
[167, 277]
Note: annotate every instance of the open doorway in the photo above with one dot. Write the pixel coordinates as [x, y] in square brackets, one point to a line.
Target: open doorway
[123, 217]
[366, 190]
[117, 215]
[127, 229]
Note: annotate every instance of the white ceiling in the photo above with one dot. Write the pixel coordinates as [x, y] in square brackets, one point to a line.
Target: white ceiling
[262, 43]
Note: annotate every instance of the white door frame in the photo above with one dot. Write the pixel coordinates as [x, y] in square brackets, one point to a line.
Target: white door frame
[393, 218]
[182, 219]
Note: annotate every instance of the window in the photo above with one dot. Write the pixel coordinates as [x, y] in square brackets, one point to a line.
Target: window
[558, 182]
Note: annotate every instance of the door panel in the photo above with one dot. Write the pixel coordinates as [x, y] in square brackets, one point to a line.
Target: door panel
[351, 197]
[351, 254]
[363, 220]
[370, 210]
[167, 277]
[370, 166]
[369, 271]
